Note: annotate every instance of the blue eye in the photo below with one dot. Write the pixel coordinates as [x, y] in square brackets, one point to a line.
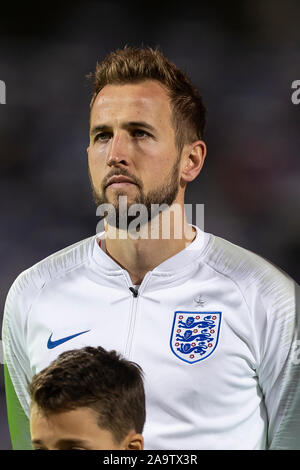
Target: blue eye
[140, 133]
[102, 136]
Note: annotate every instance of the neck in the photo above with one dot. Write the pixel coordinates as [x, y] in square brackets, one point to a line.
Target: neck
[154, 245]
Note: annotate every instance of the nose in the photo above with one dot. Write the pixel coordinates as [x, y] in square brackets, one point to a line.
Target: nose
[119, 149]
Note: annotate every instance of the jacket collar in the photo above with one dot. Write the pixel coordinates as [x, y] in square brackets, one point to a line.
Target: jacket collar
[175, 264]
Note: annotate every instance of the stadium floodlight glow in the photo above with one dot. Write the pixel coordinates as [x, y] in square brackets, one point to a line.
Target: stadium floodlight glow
[2, 92]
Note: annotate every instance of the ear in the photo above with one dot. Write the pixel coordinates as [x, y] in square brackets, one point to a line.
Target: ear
[134, 441]
[193, 156]
[88, 149]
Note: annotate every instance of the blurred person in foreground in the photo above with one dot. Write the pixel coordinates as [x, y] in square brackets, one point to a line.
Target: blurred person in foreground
[213, 326]
[88, 399]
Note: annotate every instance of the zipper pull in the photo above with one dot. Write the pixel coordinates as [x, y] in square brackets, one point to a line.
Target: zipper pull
[134, 291]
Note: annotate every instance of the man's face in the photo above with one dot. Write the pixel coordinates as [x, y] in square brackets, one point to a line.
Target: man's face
[75, 430]
[132, 140]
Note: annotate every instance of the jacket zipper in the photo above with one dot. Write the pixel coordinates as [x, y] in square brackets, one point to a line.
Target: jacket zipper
[135, 293]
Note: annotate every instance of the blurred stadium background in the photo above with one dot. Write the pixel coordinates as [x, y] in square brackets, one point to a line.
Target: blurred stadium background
[242, 55]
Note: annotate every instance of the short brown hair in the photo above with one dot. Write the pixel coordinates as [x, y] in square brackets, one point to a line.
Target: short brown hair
[133, 65]
[92, 377]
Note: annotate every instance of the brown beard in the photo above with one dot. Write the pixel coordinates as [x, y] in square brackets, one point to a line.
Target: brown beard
[161, 195]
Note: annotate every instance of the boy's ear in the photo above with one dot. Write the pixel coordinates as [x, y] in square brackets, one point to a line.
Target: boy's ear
[134, 441]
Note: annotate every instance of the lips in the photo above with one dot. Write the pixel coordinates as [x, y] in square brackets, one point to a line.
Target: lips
[119, 179]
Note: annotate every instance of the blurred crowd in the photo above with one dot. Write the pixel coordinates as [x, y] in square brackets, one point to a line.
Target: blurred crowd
[243, 57]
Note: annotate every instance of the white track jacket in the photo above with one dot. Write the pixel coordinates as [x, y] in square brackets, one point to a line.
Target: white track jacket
[214, 329]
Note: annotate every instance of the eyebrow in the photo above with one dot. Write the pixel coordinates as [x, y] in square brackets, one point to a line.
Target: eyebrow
[127, 125]
[62, 441]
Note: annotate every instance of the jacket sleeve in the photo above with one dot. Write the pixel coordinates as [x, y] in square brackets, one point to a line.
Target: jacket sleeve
[279, 368]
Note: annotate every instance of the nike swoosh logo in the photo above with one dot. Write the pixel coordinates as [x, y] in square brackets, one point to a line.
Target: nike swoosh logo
[52, 344]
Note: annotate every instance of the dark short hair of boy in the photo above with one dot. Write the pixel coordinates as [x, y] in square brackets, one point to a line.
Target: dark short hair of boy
[93, 377]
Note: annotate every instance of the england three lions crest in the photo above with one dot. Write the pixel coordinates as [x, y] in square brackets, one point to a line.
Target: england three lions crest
[195, 335]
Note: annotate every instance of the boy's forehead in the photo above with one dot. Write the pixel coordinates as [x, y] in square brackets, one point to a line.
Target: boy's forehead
[69, 423]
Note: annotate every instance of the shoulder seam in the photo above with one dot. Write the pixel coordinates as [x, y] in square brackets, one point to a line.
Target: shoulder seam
[206, 262]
